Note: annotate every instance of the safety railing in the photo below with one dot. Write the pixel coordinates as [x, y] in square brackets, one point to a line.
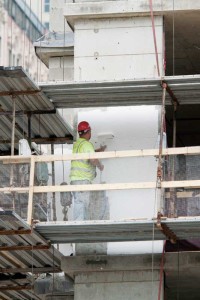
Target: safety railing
[161, 181]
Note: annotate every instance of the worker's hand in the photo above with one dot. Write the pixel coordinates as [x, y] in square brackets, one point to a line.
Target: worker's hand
[101, 167]
[102, 148]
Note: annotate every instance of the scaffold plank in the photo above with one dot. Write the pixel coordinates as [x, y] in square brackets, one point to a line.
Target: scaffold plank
[142, 91]
[117, 231]
[19, 247]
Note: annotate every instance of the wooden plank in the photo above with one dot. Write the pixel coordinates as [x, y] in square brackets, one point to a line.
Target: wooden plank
[117, 186]
[103, 155]
[182, 194]
[24, 247]
[16, 288]
[10, 280]
[16, 160]
[11, 260]
[2, 298]
[14, 232]
[180, 184]
[18, 93]
[121, 154]
[14, 189]
[100, 155]
[31, 270]
[30, 197]
[95, 187]
[100, 187]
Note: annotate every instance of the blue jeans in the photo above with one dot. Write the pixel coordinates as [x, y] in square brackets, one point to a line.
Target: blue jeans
[81, 202]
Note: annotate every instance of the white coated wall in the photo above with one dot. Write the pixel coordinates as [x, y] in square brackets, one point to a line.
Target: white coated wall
[127, 128]
[121, 128]
[117, 48]
[121, 49]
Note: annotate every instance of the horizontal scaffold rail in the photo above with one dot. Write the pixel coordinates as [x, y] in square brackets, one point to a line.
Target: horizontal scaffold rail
[32, 160]
[104, 187]
[101, 155]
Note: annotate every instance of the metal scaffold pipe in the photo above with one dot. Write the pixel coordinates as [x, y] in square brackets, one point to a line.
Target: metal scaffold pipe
[13, 146]
[53, 183]
[13, 125]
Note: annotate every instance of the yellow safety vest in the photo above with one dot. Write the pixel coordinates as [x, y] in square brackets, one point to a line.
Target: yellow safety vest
[82, 169]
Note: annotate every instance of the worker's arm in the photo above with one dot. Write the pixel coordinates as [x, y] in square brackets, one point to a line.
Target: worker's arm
[97, 163]
[101, 149]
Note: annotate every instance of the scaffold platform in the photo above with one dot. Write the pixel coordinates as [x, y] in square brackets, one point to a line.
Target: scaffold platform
[120, 231]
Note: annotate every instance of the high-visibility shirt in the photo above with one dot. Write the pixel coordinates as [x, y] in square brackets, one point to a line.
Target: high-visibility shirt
[82, 169]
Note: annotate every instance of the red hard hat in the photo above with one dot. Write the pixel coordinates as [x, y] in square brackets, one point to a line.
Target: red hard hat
[83, 126]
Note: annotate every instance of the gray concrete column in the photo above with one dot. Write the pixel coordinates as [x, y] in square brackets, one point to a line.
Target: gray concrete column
[114, 277]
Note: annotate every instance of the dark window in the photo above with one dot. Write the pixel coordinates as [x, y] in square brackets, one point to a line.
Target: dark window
[46, 5]
[10, 58]
[24, 21]
[13, 60]
[13, 7]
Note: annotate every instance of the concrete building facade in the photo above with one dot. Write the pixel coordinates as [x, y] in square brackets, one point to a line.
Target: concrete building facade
[19, 28]
[122, 41]
[120, 48]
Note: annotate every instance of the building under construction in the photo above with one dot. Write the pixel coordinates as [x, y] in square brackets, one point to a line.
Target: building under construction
[131, 69]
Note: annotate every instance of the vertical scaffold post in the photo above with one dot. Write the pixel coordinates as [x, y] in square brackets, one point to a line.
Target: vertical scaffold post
[172, 201]
[13, 125]
[159, 169]
[174, 123]
[53, 183]
[13, 146]
[30, 196]
[29, 115]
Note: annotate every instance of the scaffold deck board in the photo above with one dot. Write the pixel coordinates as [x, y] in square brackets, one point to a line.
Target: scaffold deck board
[142, 91]
[23, 251]
[118, 231]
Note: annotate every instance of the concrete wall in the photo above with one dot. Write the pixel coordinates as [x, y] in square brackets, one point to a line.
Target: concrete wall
[117, 48]
[117, 286]
[61, 68]
[57, 21]
[114, 277]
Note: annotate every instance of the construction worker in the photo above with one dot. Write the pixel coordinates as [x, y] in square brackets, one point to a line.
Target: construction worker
[83, 171]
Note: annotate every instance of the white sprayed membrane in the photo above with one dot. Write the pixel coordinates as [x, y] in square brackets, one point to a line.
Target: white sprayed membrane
[127, 128]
